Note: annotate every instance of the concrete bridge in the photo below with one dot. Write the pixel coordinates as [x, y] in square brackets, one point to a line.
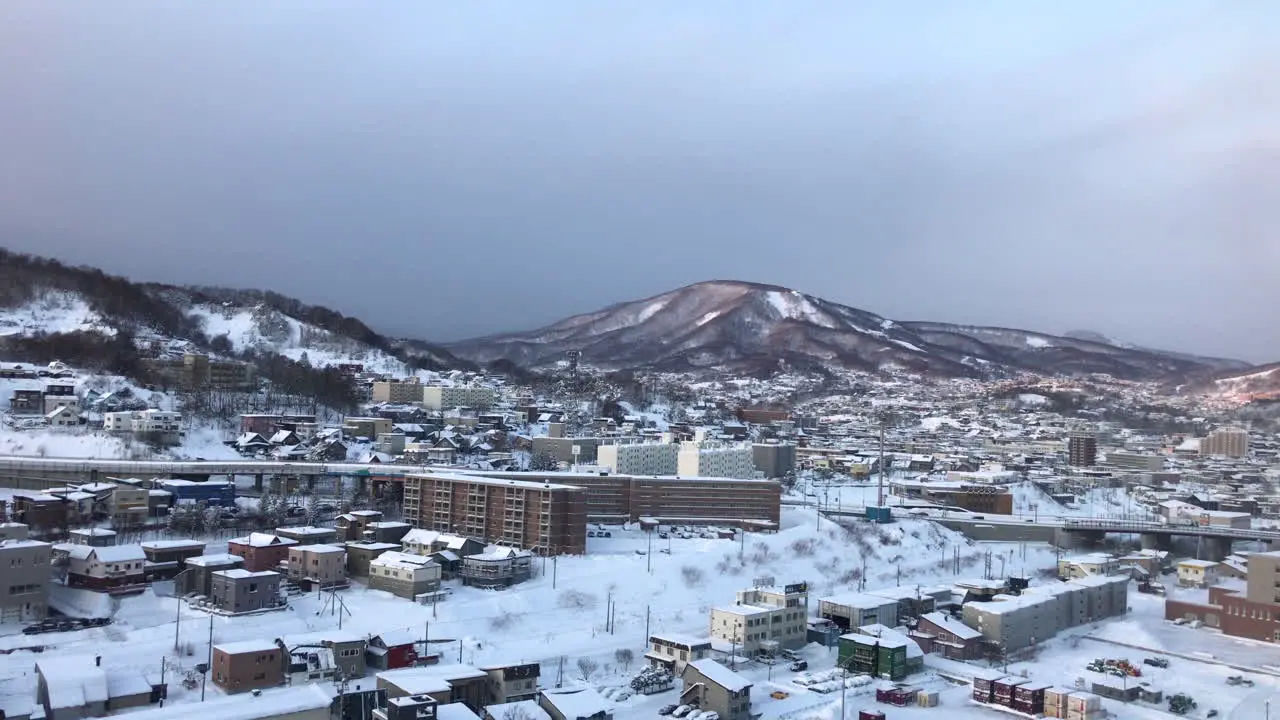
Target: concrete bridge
[34, 473]
[1214, 541]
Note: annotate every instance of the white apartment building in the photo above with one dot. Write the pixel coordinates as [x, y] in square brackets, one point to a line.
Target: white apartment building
[142, 421]
[1228, 442]
[639, 458]
[697, 459]
[764, 620]
[444, 397]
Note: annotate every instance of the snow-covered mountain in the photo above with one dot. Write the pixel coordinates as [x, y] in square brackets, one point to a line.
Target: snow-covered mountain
[749, 326]
[50, 308]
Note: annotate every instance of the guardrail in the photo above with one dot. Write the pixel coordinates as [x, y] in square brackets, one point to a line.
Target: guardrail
[1136, 526]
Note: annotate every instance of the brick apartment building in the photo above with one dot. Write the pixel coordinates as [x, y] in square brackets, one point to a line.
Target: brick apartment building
[675, 500]
[544, 517]
[1253, 613]
[261, 551]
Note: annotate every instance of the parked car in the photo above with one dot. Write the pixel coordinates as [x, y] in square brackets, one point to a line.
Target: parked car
[1156, 662]
[591, 533]
[663, 535]
[799, 665]
[667, 709]
[606, 533]
[681, 711]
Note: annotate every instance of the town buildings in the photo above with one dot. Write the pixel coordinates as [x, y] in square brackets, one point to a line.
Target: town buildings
[24, 587]
[673, 652]
[974, 497]
[248, 665]
[716, 688]
[196, 577]
[546, 518]
[1252, 613]
[497, 567]
[764, 620]
[1229, 442]
[443, 397]
[239, 591]
[261, 551]
[1197, 573]
[161, 423]
[404, 574]
[750, 503]
[638, 458]
[317, 566]
[1042, 611]
[195, 371]
[1082, 449]
[706, 459]
[774, 459]
[104, 568]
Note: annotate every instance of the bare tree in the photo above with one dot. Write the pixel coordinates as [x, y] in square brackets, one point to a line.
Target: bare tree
[587, 667]
[624, 656]
[516, 712]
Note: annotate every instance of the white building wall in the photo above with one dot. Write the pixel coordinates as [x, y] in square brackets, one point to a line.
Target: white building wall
[731, 461]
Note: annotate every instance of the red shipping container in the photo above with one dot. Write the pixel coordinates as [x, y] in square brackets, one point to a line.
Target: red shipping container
[870, 715]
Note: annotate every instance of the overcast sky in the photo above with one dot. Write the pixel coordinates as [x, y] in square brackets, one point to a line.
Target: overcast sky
[450, 169]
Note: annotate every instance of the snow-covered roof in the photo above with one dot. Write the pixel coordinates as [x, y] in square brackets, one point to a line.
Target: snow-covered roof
[520, 710]
[721, 675]
[274, 703]
[418, 536]
[241, 573]
[74, 681]
[306, 530]
[861, 601]
[262, 540]
[221, 559]
[93, 532]
[577, 703]
[1202, 564]
[119, 553]
[401, 561]
[951, 625]
[416, 681]
[170, 544]
[246, 646]
[321, 549]
[455, 711]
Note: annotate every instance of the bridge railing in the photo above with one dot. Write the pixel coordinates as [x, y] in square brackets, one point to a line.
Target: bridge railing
[1187, 529]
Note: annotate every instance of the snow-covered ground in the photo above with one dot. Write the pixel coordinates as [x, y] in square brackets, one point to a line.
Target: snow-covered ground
[53, 312]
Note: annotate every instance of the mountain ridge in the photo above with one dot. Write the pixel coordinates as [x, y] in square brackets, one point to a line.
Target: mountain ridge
[755, 326]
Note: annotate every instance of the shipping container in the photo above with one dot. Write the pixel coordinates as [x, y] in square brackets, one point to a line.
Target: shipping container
[870, 715]
[1083, 702]
[879, 513]
[927, 698]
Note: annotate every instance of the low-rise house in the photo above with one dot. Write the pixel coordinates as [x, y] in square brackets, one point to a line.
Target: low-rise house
[764, 620]
[712, 686]
[239, 591]
[1197, 573]
[582, 703]
[497, 567]
[359, 555]
[950, 637]
[426, 542]
[27, 402]
[445, 683]
[318, 566]
[879, 651]
[308, 535]
[348, 652]
[93, 537]
[78, 686]
[450, 563]
[196, 577]
[248, 665]
[62, 416]
[404, 575]
[852, 610]
[390, 531]
[419, 707]
[673, 652]
[516, 710]
[350, 526]
[42, 512]
[392, 650]
[105, 568]
[167, 558]
[1087, 566]
[512, 683]
[12, 530]
[128, 505]
[306, 702]
[221, 493]
[261, 551]
[24, 585]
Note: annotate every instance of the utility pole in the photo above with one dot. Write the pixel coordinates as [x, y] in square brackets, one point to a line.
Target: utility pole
[646, 624]
[648, 556]
[879, 500]
[554, 558]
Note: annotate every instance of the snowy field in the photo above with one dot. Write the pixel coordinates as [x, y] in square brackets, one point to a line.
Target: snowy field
[558, 614]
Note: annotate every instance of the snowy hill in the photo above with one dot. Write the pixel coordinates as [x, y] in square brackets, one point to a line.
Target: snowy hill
[749, 326]
[79, 314]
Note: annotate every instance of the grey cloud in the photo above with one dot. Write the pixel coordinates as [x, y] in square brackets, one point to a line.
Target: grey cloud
[449, 170]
